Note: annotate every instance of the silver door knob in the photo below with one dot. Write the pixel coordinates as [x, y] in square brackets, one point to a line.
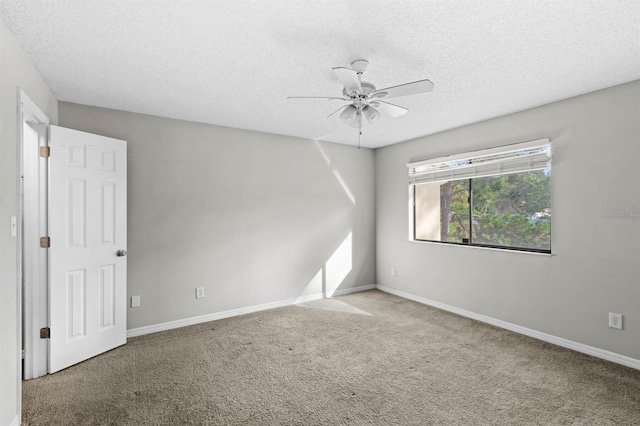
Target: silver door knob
[121, 253]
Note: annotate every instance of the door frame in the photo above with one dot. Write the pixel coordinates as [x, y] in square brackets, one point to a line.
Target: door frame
[32, 260]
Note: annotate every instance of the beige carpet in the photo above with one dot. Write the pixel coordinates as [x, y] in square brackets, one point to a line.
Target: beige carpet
[363, 359]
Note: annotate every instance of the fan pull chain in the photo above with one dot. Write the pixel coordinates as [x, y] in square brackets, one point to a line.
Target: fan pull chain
[360, 115]
[359, 127]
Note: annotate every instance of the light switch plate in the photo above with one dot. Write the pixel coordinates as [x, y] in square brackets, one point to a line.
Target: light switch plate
[14, 226]
[199, 292]
[135, 301]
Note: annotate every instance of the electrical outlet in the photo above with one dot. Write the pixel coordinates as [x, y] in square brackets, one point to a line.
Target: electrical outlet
[135, 301]
[393, 271]
[615, 320]
[199, 292]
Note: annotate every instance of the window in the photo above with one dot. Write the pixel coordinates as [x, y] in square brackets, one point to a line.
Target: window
[500, 198]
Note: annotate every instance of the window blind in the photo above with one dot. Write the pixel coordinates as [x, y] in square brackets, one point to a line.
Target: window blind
[520, 157]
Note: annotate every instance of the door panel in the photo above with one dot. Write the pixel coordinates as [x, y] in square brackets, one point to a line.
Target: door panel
[87, 218]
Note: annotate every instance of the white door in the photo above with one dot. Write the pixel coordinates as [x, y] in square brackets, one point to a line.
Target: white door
[88, 240]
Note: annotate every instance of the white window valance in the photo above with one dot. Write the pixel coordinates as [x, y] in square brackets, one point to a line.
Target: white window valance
[520, 157]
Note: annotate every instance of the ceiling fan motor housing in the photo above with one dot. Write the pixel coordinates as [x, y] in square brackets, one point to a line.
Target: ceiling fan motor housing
[367, 89]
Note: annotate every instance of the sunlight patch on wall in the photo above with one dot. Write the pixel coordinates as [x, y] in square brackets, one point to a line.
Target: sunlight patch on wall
[344, 186]
[338, 266]
[324, 154]
[341, 181]
[327, 280]
[314, 287]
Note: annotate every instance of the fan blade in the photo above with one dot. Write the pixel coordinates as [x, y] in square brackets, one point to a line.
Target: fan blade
[389, 109]
[332, 98]
[349, 79]
[420, 86]
[339, 109]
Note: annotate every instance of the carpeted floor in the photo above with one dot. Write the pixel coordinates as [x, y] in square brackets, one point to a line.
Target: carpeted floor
[363, 359]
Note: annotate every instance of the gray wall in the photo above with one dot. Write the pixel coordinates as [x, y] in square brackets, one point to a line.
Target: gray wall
[252, 217]
[595, 267]
[16, 70]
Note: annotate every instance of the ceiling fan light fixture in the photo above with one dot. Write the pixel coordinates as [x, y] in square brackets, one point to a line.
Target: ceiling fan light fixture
[362, 102]
[370, 113]
[349, 114]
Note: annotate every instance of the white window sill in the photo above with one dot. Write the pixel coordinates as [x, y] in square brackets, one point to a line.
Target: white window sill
[480, 247]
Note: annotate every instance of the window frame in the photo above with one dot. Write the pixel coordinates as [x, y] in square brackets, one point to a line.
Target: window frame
[471, 243]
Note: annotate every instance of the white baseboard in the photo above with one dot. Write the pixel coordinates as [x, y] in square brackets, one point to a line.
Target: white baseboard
[565, 343]
[241, 311]
[17, 421]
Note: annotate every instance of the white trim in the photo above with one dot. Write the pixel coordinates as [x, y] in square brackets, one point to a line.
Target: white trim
[17, 421]
[559, 341]
[505, 250]
[241, 311]
[412, 211]
[30, 106]
[32, 220]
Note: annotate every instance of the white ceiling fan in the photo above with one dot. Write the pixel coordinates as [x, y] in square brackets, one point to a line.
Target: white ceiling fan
[361, 98]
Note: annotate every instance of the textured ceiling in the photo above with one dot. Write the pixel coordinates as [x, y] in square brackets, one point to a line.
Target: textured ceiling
[234, 62]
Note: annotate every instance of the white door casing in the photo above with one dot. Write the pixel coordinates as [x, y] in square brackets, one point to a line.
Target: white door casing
[87, 227]
[31, 225]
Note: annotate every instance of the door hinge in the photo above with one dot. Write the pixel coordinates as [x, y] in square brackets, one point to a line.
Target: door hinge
[45, 242]
[45, 151]
[45, 333]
